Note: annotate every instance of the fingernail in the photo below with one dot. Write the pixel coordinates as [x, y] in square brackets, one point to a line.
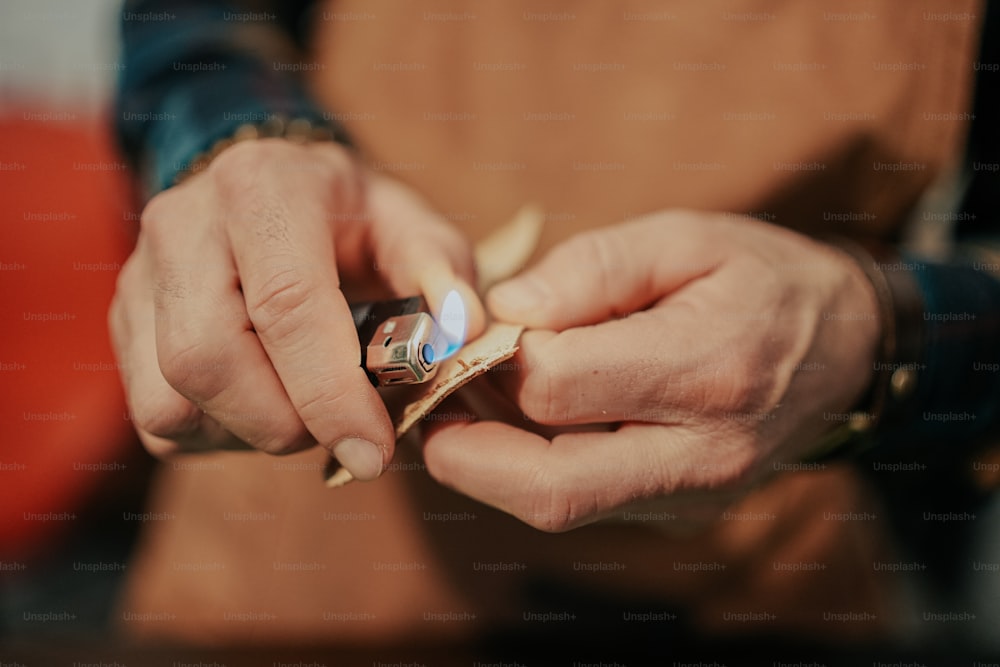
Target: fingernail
[362, 458]
[519, 295]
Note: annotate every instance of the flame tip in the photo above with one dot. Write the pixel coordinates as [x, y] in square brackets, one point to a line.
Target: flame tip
[451, 321]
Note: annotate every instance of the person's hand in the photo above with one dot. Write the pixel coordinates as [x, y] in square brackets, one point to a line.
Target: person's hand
[230, 320]
[701, 352]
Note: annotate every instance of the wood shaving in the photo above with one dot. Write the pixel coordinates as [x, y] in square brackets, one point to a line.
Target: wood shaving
[497, 344]
[504, 253]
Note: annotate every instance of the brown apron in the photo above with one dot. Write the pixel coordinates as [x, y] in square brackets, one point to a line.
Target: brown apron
[821, 119]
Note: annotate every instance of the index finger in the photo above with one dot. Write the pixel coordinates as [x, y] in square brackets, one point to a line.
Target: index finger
[285, 257]
[690, 355]
[618, 371]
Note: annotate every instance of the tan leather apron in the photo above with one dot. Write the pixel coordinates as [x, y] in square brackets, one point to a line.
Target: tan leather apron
[829, 116]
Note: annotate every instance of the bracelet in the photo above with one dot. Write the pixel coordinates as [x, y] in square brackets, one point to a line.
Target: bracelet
[298, 130]
[890, 399]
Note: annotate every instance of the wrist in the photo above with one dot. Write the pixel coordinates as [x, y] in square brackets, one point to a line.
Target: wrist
[297, 130]
[899, 357]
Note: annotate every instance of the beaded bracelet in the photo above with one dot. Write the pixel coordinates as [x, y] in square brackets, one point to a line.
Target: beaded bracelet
[298, 130]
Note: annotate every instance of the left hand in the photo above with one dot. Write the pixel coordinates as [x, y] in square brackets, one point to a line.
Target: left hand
[701, 351]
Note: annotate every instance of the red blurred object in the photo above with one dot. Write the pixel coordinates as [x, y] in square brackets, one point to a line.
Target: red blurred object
[68, 224]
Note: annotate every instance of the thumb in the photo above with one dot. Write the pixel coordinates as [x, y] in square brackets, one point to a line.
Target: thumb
[417, 251]
[607, 273]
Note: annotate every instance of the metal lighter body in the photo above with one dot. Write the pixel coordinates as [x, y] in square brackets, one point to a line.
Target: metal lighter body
[397, 340]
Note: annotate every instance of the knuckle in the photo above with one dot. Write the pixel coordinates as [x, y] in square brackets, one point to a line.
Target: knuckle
[165, 417]
[738, 388]
[541, 396]
[245, 169]
[601, 248]
[241, 168]
[285, 441]
[609, 253]
[753, 388]
[766, 273]
[192, 368]
[258, 179]
[605, 254]
[330, 398]
[550, 505]
[278, 307]
[241, 165]
[553, 390]
[583, 249]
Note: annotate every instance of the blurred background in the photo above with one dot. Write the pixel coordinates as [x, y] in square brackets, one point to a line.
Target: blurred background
[59, 53]
[69, 465]
[72, 476]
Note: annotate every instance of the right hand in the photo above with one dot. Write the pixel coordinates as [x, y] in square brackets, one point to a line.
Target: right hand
[229, 321]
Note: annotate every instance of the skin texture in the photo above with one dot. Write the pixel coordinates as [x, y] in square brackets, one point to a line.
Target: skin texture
[677, 359]
[231, 320]
[673, 360]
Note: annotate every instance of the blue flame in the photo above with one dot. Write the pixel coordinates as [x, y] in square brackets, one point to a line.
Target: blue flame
[451, 324]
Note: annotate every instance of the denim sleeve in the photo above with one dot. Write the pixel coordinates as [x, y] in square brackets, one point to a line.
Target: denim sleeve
[957, 399]
[958, 392]
[195, 71]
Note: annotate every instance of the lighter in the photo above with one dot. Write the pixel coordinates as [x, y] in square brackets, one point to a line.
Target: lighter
[400, 342]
